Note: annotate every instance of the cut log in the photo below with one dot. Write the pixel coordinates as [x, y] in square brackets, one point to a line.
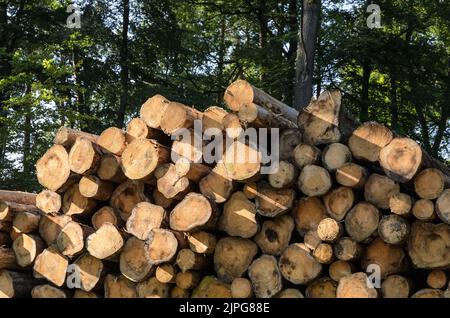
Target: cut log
[110, 169]
[239, 216]
[119, 287]
[368, 139]
[166, 273]
[430, 183]
[393, 229]
[161, 200]
[84, 156]
[437, 279]
[307, 214]
[178, 292]
[144, 217]
[284, 177]
[134, 263]
[305, 154]
[213, 119]
[152, 288]
[47, 291]
[126, 196]
[338, 202]
[351, 175]
[275, 235]
[423, 210]
[16, 285]
[355, 286]
[241, 288]
[429, 245]
[8, 210]
[211, 287]
[323, 253]
[232, 126]
[202, 242]
[161, 246]
[260, 117]
[241, 161]
[90, 272]
[428, 293]
[329, 230]
[298, 266]
[178, 116]
[14, 233]
[52, 169]
[217, 185]
[153, 110]
[83, 294]
[105, 242]
[265, 276]
[26, 222]
[314, 180]
[232, 257]
[170, 183]
[138, 129]
[188, 260]
[339, 269]
[362, 221]
[400, 204]
[51, 265]
[8, 259]
[443, 206]
[289, 293]
[396, 286]
[67, 136]
[48, 202]
[70, 240]
[390, 259]
[50, 226]
[193, 171]
[192, 212]
[250, 190]
[26, 247]
[323, 287]
[18, 197]
[106, 214]
[271, 202]
[289, 140]
[379, 189]
[95, 188]
[335, 155]
[346, 249]
[311, 240]
[112, 141]
[188, 279]
[74, 203]
[187, 147]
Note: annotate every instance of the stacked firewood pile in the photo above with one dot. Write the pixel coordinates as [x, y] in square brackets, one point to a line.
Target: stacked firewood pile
[353, 210]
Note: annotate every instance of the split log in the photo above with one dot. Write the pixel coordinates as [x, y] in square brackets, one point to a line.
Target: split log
[232, 126]
[289, 141]
[323, 253]
[138, 129]
[400, 204]
[339, 269]
[443, 206]
[194, 211]
[178, 292]
[437, 279]
[178, 116]
[351, 175]
[430, 183]
[423, 210]
[314, 180]
[307, 214]
[338, 202]
[242, 161]
[355, 286]
[17, 285]
[90, 272]
[396, 286]
[84, 156]
[284, 177]
[50, 226]
[393, 229]
[323, 287]
[8, 259]
[329, 230]
[188, 279]
[335, 155]
[26, 222]
[110, 169]
[346, 249]
[18, 197]
[67, 136]
[95, 188]
[119, 287]
[8, 210]
[275, 235]
[112, 141]
[379, 189]
[189, 260]
[152, 288]
[368, 139]
[153, 109]
[256, 116]
[298, 266]
[217, 185]
[106, 214]
[213, 119]
[134, 263]
[362, 221]
[52, 169]
[265, 276]
[74, 203]
[305, 154]
[241, 288]
[202, 242]
[26, 247]
[271, 202]
[105, 242]
[50, 264]
[70, 240]
[126, 196]
[48, 202]
[144, 217]
[166, 273]
[47, 291]
[161, 246]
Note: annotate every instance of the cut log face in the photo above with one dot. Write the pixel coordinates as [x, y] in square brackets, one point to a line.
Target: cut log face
[323, 253]
[70, 240]
[314, 181]
[134, 263]
[239, 216]
[362, 221]
[153, 110]
[395, 286]
[289, 293]
[95, 188]
[355, 286]
[393, 229]
[178, 116]
[322, 288]
[119, 287]
[305, 154]
[423, 210]
[112, 141]
[161, 246]
[18, 197]
[443, 206]
[379, 190]
[152, 288]
[194, 211]
[284, 177]
[26, 247]
[67, 136]
[217, 185]
[165, 273]
[311, 240]
[289, 140]
[188, 260]
[257, 116]
[48, 202]
[351, 175]
[437, 279]
[241, 288]
[105, 242]
[428, 293]
[51, 265]
[138, 129]
[47, 291]
[202, 242]
[298, 266]
[400, 204]
[429, 183]
[232, 126]
[126, 196]
[339, 269]
[110, 169]
[144, 217]
[26, 222]
[188, 146]
[105, 214]
[188, 279]
[90, 271]
[271, 202]
[367, 141]
[429, 245]
[265, 276]
[75, 203]
[329, 230]
[213, 119]
[335, 155]
[338, 202]
[242, 161]
[84, 156]
[275, 235]
[171, 183]
[52, 169]
[346, 249]
[232, 257]
[50, 227]
[307, 214]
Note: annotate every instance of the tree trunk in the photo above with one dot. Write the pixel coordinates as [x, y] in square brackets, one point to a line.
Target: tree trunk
[364, 111]
[124, 64]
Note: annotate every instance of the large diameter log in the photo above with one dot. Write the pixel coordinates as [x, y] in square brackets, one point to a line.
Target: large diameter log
[110, 169]
[74, 203]
[443, 206]
[192, 212]
[396, 286]
[134, 263]
[355, 286]
[18, 197]
[47, 291]
[119, 287]
[48, 202]
[298, 266]
[95, 188]
[314, 181]
[338, 202]
[285, 176]
[213, 119]
[26, 247]
[430, 183]
[242, 161]
[271, 202]
[265, 276]
[429, 245]
[153, 109]
[144, 217]
[67, 136]
[307, 214]
[84, 156]
[52, 169]
[217, 185]
[104, 243]
[161, 246]
[393, 229]
[8, 259]
[70, 240]
[152, 288]
[8, 210]
[351, 175]
[112, 141]
[362, 221]
[368, 139]
[257, 116]
[171, 183]
[126, 196]
[335, 155]
[379, 189]
[16, 285]
[232, 257]
[50, 226]
[178, 116]
[424, 210]
[90, 270]
[51, 265]
[323, 287]
[275, 235]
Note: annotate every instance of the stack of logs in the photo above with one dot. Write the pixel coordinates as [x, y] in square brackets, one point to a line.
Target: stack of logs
[353, 210]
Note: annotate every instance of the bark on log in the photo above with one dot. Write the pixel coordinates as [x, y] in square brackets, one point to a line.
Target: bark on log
[8, 259]
[70, 240]
[8, 210]
[50, 226]
[18, 197]
[289, 140]
[26, 222]
[67, 136]
[138, 129]
[257, 116]
[16, 285]
[217, 185]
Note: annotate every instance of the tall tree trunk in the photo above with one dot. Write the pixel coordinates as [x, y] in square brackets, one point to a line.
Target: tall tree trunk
[394, 104]
[27, 133]
[290, 56]
[263, 31]
[304, 64]
[124, 65]
[364, 111]
[220, 66]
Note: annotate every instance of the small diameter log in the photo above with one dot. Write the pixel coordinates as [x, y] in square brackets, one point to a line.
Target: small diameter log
[217, 185]
[393, 229]
[362, 221]
[48, 202]
[70, 240]
[211, 287]
[305, 154]
[351, 175]
[391, 259]
[26, 247]
[271, 202]
[275, 235]
[429, 245]
[90, 272]
[329, 230]
[74, 203]
[47, 291]
[314, 180]
[138, 129]
[284, 177]
[95, 188]
[26, 222]
[437, 279]
[239, 216]
[192, 212]
[50, 226]
[298, 266]
[67, 136]
[323, 253]
[257, 116]
[112, 141]
[126, 196]
[338, 202]
[50, 264]
[170, 183]
[166, 273]
[188, 279]
[339, 269]
[232, 126]
[16, 285]
[213, 119]
[110, 169]
[423, 210]
[355, 286]
[106, 214]
[105, 242]
[178, 116]
[152, 288]
[232, 257]
[265, 276]
[311, 240]
[178, 292]
[335, 155]
[346, 249]
[241, 288]
[52, 169]
[289, 293]
[379, 189]
[18, 197]
[396, 286]
[84, 156]
[202, 242]
[323, 287]
[307, 214]
[400, 204]
[319, 121]
[161, 200]
[428, 293]
[134, 263]
[289, 141]
[161, 246]
[188, 260]
[144, 217]
[119, 287]
[141, 157]
[367, 140]
[430, 183]
[241, 161]
[153, 109]
[8, 210]
[443, 206]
